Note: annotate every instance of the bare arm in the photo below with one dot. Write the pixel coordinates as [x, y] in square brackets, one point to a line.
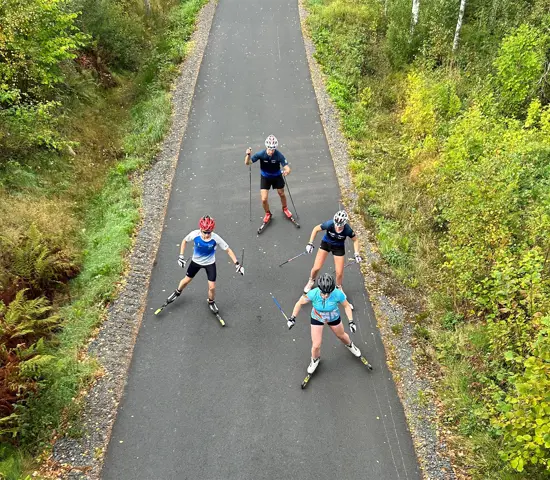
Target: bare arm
[314, 232]
[231, 255]
[356, 244]
[286, 170]
[182, 248]
[303, 300]
[348, 310]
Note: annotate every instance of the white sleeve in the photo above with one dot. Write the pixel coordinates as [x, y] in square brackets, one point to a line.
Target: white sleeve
[192, 235]
[220, 241]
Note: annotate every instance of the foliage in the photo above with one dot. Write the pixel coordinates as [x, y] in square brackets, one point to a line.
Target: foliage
[34, 263]
[519, 67]
[451, 163]
[61, 146]
[24, 324]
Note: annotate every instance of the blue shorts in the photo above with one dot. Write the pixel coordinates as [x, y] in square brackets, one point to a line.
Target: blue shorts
[314, 321]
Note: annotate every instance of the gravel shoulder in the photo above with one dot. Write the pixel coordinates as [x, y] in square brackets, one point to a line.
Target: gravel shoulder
[414, 387]
[83, 458]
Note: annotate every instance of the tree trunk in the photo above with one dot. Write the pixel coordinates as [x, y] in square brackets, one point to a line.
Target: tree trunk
[147, 4]
[459, 24]
[415, 13]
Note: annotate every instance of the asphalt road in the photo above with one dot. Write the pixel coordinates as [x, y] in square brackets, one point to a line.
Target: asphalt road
[205, 402]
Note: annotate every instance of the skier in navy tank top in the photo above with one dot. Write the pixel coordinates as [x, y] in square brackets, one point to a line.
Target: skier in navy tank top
[205, 242]
[337, 230]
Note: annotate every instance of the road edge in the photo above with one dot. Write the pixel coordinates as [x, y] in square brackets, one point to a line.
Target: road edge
[83, 458]
[411, 385]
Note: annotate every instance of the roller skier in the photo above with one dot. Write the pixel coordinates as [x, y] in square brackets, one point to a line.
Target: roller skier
[271, 161]
[205, 242]
[325, 300]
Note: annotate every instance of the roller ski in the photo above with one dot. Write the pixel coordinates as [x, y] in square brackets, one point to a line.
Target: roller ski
[214, 309]
[288, 214]
[357, 353]
[175, 294]
[266, 221]
[313, 364]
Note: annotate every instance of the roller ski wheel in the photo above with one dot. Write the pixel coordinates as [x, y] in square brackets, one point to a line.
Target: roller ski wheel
[266, 221]
[161, 308]
[293, 220]
[306, 380]
[365, 362]
[214, 309]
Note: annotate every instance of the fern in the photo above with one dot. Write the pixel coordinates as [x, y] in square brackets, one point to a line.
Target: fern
[23, 320]
[32, 262]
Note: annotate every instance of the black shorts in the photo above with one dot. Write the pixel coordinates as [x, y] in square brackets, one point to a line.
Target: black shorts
[336, 250]
[276, 182]
[314, 321]
[194, 268]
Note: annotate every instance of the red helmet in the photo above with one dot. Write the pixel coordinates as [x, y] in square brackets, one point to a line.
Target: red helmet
[207, 223]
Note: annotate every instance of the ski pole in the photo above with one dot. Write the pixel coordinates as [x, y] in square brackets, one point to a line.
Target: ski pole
[353, 262]
[290, 195]
[290, 259]
[250, 189]
[279, 306]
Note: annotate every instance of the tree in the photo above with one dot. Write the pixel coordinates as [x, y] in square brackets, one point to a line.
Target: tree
[459, 24]
[415, 14]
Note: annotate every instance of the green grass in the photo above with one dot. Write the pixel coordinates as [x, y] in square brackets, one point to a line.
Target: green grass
[109, 218]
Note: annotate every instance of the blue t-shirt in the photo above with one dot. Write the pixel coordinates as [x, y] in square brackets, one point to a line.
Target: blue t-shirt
[270, 166]
[325, 309]
[204, 251]
[335, 238]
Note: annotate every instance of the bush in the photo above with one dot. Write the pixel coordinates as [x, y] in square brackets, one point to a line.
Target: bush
[519, 65]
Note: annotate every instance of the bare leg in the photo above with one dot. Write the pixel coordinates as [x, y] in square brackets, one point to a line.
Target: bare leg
[281, 192]
[341, 333]
[184, 282]
[339, 267]
[316, 340]
[211, 290]
[318, 264]
[263, 194]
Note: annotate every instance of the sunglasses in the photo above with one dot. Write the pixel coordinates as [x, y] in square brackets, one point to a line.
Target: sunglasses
[206, 232]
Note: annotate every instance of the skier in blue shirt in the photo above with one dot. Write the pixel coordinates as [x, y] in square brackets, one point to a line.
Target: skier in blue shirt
[205, 242]
[325, 300]
[271, 160]
[336, 232]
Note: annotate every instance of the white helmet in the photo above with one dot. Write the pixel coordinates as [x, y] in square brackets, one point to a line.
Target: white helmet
[340, 218]
[271, 142]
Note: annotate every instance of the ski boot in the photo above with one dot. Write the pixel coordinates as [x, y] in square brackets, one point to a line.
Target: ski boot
[310, 370]
[175, 294]
[214, 309]
[356, 352]
[266, 220]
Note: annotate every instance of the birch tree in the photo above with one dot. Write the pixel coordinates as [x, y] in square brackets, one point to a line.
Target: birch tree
[459, 24]
[415, 13]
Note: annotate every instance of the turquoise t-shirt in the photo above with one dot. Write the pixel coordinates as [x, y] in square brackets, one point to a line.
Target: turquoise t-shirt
[325, 309]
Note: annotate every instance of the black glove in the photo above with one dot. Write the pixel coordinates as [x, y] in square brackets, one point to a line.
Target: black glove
[352, 327]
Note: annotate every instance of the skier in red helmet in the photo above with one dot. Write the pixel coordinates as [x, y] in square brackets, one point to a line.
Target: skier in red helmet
[205, 242]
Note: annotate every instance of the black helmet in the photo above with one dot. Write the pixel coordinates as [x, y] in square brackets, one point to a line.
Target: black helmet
[326, 283]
